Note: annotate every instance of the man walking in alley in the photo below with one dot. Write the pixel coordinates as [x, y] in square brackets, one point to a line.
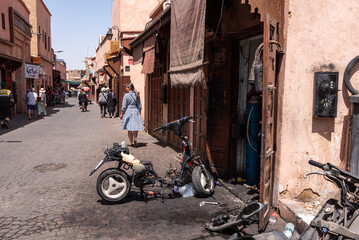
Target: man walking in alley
[31, 99]
[6, 102]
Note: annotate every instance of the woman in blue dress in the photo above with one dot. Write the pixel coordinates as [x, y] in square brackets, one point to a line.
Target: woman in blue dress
[131, 113]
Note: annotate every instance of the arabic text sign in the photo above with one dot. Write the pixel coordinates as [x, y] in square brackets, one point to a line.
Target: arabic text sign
[32, 71]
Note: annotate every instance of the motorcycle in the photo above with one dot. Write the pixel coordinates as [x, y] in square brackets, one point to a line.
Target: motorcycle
[115, 183]
[338, 218]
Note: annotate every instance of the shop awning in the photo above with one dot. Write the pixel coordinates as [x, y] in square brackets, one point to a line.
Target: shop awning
[10, 61]
[115, 64]
[187, 42]
[73, 83]
[149, 55]
[109, 71]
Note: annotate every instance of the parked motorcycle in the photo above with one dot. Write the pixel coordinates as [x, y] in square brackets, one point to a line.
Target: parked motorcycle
[338, 218]
[114, 184]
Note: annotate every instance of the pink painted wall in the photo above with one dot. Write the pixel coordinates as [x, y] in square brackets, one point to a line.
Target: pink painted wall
[103, 48]
[321, 36]
[131, 15]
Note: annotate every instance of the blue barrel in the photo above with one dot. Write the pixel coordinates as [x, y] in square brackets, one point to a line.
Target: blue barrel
[253, 144]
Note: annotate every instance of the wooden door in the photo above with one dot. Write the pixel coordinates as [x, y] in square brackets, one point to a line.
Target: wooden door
[8, 80]
[179, 100]
[200, 118]
[268, 119]
[219, 106]
[155, 84]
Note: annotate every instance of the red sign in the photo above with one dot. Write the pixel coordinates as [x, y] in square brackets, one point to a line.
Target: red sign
[130, 61]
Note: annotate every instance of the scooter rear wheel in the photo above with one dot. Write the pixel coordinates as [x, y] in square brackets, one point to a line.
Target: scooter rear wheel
[204, 187]
[112, 185]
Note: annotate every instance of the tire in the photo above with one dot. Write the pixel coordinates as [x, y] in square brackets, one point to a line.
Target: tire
[120, 184]
[203, 188]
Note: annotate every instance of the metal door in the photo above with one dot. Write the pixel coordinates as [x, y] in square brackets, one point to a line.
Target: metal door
[268, 118]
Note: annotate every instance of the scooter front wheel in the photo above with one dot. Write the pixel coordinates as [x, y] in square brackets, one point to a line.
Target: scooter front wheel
[112, 185]
[203, 186]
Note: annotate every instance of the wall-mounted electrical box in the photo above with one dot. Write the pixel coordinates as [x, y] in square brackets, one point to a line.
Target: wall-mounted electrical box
[326, 94]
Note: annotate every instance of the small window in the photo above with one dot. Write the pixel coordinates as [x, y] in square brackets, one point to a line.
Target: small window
[45, 41]
[49, 43]
[3, 20]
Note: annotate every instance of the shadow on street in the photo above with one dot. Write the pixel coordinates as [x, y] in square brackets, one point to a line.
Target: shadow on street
[21, 120]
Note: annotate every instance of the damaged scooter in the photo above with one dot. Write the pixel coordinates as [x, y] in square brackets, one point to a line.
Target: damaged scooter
[114, 184]
[338, 218]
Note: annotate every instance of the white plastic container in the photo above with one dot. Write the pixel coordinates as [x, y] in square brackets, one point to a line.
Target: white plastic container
[288, 231]
[187, 190]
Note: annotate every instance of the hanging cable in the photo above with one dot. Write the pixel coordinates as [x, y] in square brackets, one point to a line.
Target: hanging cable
[220, 19]
[248, 138]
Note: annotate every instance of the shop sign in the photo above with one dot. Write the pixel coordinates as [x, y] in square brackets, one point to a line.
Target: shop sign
[32, 71]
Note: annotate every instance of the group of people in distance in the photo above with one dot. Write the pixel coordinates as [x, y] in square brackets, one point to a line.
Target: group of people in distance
[36, 104]
[107, 102]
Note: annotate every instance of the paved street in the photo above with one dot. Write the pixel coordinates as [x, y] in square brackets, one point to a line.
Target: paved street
[46, 191]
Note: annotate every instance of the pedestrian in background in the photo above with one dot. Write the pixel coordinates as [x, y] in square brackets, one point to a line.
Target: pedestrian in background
[6, 102]
[102, 101]
[31, 100]
[131, 113]
[111, 103]
[42, 104]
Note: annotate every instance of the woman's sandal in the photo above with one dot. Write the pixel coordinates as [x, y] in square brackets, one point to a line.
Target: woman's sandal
[135, 142]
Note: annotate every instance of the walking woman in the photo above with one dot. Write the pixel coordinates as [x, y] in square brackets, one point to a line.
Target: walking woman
[42, 104]
[131, 113]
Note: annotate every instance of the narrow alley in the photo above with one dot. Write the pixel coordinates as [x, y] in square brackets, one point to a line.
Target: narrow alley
[46, 191]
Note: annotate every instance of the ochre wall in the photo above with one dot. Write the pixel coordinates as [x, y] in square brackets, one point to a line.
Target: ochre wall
[320, 36]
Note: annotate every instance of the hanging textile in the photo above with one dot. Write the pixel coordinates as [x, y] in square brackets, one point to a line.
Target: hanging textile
[187, 42]
[149, 59]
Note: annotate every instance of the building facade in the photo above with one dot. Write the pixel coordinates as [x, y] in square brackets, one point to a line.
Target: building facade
[114, 63]
[15, 37]
[266, 89]
[41, 51]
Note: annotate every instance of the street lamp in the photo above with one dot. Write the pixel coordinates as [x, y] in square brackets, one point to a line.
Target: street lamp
[58, 51]
[109, 33]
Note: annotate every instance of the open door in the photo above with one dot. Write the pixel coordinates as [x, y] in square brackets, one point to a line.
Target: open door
[268, 118]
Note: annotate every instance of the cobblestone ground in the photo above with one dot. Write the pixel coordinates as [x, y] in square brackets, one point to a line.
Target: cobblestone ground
[46, 191]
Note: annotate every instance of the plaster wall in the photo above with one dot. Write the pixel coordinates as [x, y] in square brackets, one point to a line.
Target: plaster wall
[103, 48]
[321, 36]
[131, 15]
[5, 33]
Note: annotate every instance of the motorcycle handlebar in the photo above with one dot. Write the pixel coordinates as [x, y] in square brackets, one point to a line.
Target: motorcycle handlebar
[181, 121]
[317, 164]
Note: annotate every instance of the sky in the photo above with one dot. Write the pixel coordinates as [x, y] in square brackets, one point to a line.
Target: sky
[76, 26]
